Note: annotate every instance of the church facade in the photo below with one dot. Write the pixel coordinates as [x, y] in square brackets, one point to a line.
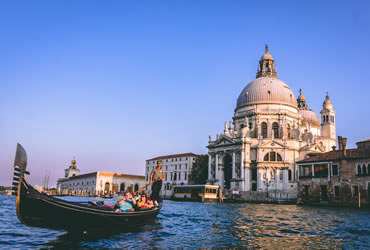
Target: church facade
[270, 131]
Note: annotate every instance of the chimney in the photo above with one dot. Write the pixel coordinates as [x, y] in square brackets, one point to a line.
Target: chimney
[340, 143]
[344, 144]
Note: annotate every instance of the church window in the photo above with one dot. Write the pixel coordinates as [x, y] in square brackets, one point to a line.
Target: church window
[289, 174]
[275, 128]
[264, 129]
[288, 131]
[278, 157]
[327, 118]
[272, 156]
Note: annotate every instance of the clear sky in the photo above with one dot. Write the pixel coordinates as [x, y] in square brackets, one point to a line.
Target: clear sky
[114, 83]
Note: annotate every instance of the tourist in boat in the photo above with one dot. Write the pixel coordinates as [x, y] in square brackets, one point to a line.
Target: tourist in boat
[126, 204]
[156, 179]
[142, 203]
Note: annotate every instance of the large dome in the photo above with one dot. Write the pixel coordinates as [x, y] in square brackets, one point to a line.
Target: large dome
[310, 117]
[266, 90]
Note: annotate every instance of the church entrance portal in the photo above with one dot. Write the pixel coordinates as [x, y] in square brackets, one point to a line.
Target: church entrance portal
[227, 170]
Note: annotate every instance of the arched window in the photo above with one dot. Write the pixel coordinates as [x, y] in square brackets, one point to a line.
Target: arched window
[174, 177]
[272, 156]
[289, 174]
[264, 129]
[278, 158]
[364, 169]
[327, 118]
[136, 187]
[275, 129]
[288, 131]
[359, 169]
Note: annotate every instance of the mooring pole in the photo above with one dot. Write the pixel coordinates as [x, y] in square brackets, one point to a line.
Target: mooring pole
[359, 200]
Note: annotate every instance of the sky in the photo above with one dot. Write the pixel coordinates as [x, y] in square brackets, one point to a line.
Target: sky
[114, 83]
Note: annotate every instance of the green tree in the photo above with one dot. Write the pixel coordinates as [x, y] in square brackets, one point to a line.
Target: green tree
[199, 171]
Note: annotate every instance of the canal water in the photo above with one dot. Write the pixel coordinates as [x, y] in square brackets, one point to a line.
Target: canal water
[198, 225]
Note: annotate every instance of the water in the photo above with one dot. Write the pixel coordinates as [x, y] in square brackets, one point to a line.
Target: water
[198, 225]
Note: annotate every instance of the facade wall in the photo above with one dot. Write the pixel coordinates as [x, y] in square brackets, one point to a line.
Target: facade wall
[341, 188]
[100, 183]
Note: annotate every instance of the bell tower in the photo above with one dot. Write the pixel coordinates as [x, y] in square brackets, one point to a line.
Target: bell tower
[266, 67]
[72, 170]
[328, 119]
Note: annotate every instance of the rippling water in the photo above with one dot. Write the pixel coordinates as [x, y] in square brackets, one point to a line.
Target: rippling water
[198, 225]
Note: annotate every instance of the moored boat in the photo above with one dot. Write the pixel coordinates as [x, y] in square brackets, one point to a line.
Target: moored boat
[38, 209]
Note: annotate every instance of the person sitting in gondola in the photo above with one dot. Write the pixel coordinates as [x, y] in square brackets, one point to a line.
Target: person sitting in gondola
[142, 204]
[126, 204]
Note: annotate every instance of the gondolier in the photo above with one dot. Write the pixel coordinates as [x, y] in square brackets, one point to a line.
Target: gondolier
[156, 176]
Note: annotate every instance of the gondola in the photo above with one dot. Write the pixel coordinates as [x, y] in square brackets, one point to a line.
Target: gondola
[38, 209]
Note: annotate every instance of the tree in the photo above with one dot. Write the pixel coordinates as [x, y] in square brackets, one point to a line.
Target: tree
[199, 171]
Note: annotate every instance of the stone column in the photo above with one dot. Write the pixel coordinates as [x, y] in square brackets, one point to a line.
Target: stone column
[209, 166]
[216, 169]
[233, 173]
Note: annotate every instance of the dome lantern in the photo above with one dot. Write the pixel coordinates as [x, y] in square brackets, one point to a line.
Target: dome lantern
[266, 66]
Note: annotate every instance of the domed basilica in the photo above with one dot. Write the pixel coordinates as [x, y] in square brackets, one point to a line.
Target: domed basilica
[270, 131]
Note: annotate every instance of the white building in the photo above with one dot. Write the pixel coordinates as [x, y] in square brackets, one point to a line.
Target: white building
[97, 183]
[270, 131]
[177, 168]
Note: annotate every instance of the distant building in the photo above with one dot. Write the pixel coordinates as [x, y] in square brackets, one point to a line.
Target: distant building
[97, 183]
[339, 176]
[177, 168]
[270, 131]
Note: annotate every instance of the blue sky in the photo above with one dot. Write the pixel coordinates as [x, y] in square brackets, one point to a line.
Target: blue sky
[116, 82]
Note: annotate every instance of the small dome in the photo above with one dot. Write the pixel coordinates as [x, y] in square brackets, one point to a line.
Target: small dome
[266, 90]
[327, 103]
[73, 162]
[267, 56]
[310, 117]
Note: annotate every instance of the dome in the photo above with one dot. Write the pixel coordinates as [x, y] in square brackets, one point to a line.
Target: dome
[266, 90]
[310, 117]
[327, 103]
[267, 56]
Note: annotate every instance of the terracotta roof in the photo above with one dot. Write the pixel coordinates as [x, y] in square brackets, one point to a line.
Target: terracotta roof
[172, 156]
[83, 175]
[106, 174]
[364, 141]
[354, 153]
[130, 176]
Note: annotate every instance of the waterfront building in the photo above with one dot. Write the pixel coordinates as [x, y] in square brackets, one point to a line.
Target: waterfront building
[97, 183]
[177, 168]
[270, 131]
[339, 177]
